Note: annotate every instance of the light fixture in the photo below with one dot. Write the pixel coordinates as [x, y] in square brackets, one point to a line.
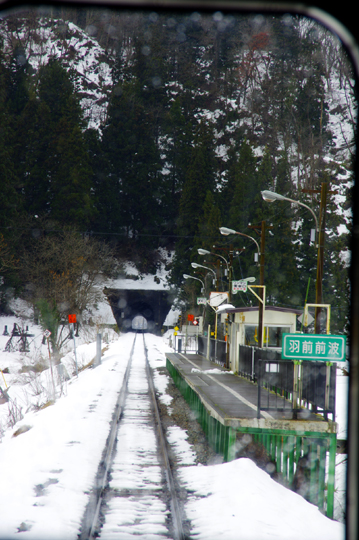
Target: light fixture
[226, 231]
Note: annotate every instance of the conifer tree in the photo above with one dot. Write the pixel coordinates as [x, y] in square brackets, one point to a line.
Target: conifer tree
[208, 232]
[177, 149]
[10, 199]
[134, 165]
[245, 189]
[209, 223]
[200, 178]
[282, 276]
[56, 171]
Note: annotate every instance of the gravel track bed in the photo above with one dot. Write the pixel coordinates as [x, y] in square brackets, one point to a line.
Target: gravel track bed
[179, 413]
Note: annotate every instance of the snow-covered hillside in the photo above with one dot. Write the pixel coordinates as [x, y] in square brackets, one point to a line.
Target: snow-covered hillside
[46, 38]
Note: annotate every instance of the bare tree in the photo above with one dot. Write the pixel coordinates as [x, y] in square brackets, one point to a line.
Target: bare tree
[64, 268]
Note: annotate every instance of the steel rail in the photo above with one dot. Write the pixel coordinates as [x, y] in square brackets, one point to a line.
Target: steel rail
[175, 506]
[90, 520]
[90, 527]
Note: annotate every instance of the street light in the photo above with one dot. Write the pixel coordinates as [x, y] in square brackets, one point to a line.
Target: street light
[228, 266]
[225, 231]
[186, 276]
[206, 252]
[271, 196]
[196, 265]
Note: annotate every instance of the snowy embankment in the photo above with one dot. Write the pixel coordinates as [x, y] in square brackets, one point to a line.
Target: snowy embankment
[48, 470]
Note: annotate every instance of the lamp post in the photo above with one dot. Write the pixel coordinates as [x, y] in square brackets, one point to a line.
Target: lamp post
[196, 265]
[225, 231]
[260, 258]
[249, 279]
[206, 252]
[271, 196]
[186, 276]
[228, 266]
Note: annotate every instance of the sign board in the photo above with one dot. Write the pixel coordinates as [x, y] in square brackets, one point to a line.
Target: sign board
[315, 347]
[239, 286]
[72, 319]
[190, 317]
[310, 319]
[217, 298]
[201, 301]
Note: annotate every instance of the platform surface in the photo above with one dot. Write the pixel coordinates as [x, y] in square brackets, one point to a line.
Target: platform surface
[233, 400]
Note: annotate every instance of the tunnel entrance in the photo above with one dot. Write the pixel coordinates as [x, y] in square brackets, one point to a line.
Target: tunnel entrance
[126, 304]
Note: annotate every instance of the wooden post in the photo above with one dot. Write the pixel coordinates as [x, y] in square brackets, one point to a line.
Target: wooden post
[320, 259]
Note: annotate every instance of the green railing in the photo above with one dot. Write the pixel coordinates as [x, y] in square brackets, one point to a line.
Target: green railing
[300, 459]
[221, 438]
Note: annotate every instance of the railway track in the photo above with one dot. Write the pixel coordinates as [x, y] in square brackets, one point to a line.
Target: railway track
[135, 493]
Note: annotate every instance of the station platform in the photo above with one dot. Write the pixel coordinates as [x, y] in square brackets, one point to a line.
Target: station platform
[233, 400]
[226, 407]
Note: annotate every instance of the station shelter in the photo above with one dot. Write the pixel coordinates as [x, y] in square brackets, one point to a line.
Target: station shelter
[243, 328]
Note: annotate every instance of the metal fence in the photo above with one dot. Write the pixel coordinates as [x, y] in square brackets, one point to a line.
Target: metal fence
[269, 371]
[277, 378]
[217, 350]
[184, 344]
[314, 377]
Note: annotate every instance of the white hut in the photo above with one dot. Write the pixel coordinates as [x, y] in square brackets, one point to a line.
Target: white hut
[244, 327]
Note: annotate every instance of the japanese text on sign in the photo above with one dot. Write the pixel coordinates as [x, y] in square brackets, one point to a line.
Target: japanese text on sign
[314, 347]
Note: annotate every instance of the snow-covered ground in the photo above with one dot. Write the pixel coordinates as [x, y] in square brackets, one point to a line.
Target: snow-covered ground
[48, 469]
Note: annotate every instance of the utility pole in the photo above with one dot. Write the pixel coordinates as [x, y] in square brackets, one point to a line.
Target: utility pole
[320, 260]
[320, 257]
[230, 273]
[262, 231]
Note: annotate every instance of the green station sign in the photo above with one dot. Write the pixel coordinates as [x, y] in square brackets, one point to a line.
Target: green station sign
[314, 347]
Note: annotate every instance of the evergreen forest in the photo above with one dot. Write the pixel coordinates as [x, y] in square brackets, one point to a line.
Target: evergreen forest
[201, 113]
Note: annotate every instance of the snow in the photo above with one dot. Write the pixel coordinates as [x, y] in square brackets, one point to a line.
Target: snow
[251, 505]
[77, 50]
[211, 371]
[48, 470]
[134, 280]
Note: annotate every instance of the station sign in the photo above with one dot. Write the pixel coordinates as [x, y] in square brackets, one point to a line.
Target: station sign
[314, 347]
[239, 286]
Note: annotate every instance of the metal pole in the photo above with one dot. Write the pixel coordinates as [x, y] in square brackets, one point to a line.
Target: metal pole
[52, 373]
[73, 335]
[209, 343]
[261, 282]
[98, 349]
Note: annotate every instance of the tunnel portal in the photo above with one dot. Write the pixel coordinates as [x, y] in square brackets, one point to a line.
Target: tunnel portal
[126, 304]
